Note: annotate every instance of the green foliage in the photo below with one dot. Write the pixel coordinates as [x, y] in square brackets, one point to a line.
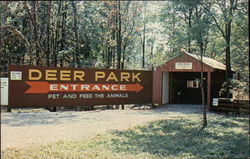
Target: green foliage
[239, 89]
[170, 26]
[192, 25]
[225, 137]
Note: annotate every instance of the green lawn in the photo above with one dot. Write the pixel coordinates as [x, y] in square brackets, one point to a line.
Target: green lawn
[225, 137]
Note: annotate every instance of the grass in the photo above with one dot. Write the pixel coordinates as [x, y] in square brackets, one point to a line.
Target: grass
[225, 137]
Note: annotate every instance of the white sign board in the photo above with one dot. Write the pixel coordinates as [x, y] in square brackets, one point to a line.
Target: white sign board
[15, 75]
[215, 101]
[183, 65]
[4, 90]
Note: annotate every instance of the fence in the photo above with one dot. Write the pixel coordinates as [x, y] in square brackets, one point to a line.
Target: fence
[240, 107]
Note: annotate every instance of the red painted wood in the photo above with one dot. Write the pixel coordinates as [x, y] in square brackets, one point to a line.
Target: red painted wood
[157, 80]
[170, 65]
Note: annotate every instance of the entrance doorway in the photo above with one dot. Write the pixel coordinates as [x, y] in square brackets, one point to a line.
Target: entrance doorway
[182, 87]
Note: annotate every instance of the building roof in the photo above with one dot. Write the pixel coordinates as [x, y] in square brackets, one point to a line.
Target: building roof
[209, 61]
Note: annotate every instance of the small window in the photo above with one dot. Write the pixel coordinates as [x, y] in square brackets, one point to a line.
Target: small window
[193, 84]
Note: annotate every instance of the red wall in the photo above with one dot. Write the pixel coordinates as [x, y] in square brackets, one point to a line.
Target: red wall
[170, 67]
[157, 82]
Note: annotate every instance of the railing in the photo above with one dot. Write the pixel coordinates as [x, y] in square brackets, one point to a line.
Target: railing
[240, 107]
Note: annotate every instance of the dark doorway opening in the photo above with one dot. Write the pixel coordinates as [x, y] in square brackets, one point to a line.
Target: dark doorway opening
[185, 87]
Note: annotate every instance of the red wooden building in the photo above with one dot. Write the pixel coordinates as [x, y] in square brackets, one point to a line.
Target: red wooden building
[177, 81]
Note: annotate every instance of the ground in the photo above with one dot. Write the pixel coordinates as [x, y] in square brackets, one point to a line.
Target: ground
[166, 132]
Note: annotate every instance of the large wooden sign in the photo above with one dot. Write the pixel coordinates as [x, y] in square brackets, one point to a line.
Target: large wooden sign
[37, 86]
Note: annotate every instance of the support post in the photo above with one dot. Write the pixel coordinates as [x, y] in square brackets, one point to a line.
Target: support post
[153, 106]
[8, 109]
[54, 109]
[170, 88]
[78, 108]
[208, 91]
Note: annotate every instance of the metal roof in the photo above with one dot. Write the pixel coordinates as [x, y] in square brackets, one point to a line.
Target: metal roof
[208, 61]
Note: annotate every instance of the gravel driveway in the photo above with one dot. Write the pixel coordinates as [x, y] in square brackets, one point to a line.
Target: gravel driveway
[32, 128]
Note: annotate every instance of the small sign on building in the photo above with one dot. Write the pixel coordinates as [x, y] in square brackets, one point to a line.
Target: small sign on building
[183, 65]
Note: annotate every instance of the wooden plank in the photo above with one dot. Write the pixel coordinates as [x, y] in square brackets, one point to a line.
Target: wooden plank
[170, 65]
[232, 105]
[232, 110]
[170, 87]
[157, 80]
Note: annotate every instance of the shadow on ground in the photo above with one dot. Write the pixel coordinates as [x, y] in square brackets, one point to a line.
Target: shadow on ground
[223, 138]
[45, 118]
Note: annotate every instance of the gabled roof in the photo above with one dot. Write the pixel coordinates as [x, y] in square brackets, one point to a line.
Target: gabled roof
[208, 61]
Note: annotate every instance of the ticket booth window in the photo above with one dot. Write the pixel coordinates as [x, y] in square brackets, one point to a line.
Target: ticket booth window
[193, 84]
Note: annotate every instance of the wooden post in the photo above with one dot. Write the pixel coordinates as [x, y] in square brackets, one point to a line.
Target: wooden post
[54, 109]
[170, 88]
[8, 109]
[208, 90]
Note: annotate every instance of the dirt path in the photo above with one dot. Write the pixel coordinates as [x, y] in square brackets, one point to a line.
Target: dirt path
[33, 128]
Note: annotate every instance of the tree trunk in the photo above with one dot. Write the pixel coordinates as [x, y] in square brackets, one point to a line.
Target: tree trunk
[228, 58]
[173, 33]
[63, 33]
[38, 60]
[48, 35]
[118, 34]
[123, 56]
[56, 41]
[151, 55]
[202, 87]
[143, 46]
[113, 50]
[143, 40]
[189, 28]
[77, 61]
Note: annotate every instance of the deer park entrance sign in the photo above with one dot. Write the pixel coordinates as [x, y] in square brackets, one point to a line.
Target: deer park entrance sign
[38, 86]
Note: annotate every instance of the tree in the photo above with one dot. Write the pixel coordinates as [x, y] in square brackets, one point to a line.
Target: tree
[224, 23]
[48, 33]
[143, 38]
[201, 32]
[76, 61]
